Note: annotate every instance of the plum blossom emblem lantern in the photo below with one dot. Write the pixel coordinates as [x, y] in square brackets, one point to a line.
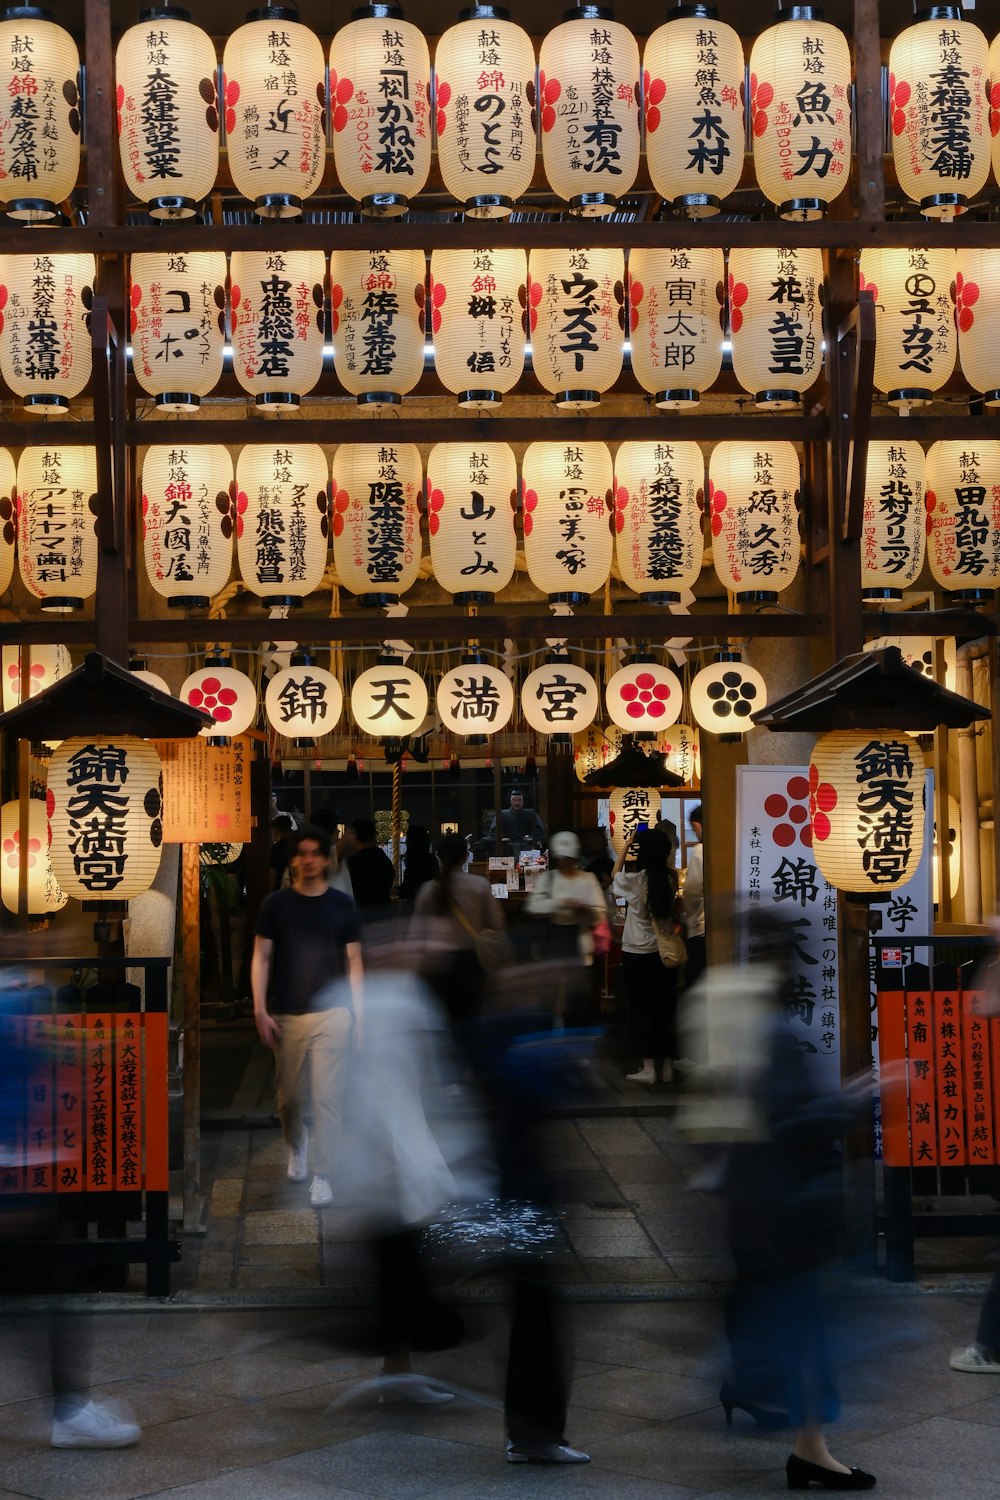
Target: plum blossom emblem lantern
[376, 519]
[389, 700]
[39, 114]
[776, 323]
[675, 301]
[8, 517]
[177, 319]
[45, 353]
[566, 490]
[276, 302]
[915, 338]
[753, 502]
[57, 525]
[659, 489]
[477, 298]
[378, 317]
[559, 698]
[644, 698]
[28, 846]
[282, 520]
[963, 518]
[866, 808]
[471, 494]
[977, 313]
[576, 321]
[224, 693]
[475, 700]
[187, 522]
[23, 679]
[893, 533]
[105, 804]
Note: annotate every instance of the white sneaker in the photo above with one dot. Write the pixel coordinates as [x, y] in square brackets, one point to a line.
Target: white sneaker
[644, 1075]
[94, 1426]
[320, 1192]
[298, 1160]
[975, 1361]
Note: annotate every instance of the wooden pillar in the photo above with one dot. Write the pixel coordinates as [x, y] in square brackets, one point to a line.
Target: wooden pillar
[191, 956]
[870, 131]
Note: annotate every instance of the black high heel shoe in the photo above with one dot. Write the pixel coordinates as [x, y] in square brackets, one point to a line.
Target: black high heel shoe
[801, 1474]
[768, 1417]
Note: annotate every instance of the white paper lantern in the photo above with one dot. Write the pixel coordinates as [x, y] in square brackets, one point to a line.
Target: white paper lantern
[57, 525]
[566, 491]
[631, 808]
[576, 316]
[724, 695]
[753, 500]
[591, 751]
[952, 852]
[977, 312]
[227, 695]
[276, 301]
[477, 297]
[178, 325]
[893, 532]
[475, 700]
[559, 698]
[676, 300]
[866, 808]
[282, 520]
[376, 519]
[187, 522]
[389, 700]
[151, 679]
[45, 353]
[48, 665]
[471, 494]
[44, 894]
[303, 701]
[963, 518]
[681, 752]
[377, 300]
[39, 115]
[776, 323]
[105, 803]
[659, 490]
[8, 517]
[915, 338]
[994, 100]
[644, 698]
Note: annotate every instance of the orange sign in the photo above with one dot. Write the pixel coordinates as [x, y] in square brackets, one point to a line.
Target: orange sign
[206, 790]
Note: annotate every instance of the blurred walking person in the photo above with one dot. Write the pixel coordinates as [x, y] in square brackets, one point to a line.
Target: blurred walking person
[450, 914]
[645, 878]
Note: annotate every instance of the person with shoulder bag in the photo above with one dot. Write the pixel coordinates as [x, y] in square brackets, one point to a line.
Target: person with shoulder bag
[652, 950]
[458, 925]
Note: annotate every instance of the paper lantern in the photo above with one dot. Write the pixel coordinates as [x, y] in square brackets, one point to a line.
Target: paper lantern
[994, 69]
[389, 700]
[44, 894]
[151, 679]
[681, 752]
[952, 851]
[178, 325]
[588, 102]
[724, 695]
[644, 697]
[915, 339]
[45, 353]
[187, 522]
[591, 751]
[939, 111]
[893, 532]
[377, 299]
[484, 71]
[303, 701]
[776, 323]
[566, 491]
[963, 518]
[380, 74]
[105, 805]
[659, 489]
[559, 698]
[576, 316]
[471, 494]
[629, 809]
[476, 300]
[274, 97]
[227, 695]
[48, 665]
[282, 510]
[8, 517]
[977, 313]
[167, 93]
[693, 71]
[57, 525]
[475, 700]
[675, 300]
[376, 519]
[276, 301]
[866, 808]
[753, 501]
[39, 114]
[800, 113]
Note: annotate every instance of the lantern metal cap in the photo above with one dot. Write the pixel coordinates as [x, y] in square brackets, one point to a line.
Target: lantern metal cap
[473, 596]
[803, 210]
[485, 13]
[32, 210]
[171, 206]
[696, 10]
[378, 601]
[578, 398]
[756, 596]
[274, 13]
[100, 697]
[60, 604]
[37, 402]
[939, 13]
[778, 400]
[593, 205]
[695, 205]
[385, 205]
[178, 400]
[661, 596]
[26, 13]
[164, 13]
[277, 401]
[876, 596]
[281, 601]
[589, 13]
[798, 12]
[189, 601]
[569, 596]
[278, 205]
[909, 396]
[991, 398]
[943, 205]
[684, 397]
[379, 11]
[971, 596]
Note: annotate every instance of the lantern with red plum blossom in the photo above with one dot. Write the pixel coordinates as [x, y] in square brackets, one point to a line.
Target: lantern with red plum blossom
[177, 317]
[225, 694]
[659, 489]
[57, 525]
[566, 490]
[676, 300]
[187, 522]
[753, 501]
[377, 299]
[866, 808]
[48, 665]
[471, 494]
[576, 313]
[893, 532]
[963, 518]
[276, 300]
[376, 519]
[477, 297]
[644, 698]
[977, 313]
[19, 845]
[282, 526]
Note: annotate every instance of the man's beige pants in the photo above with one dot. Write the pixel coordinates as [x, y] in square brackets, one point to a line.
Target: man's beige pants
[311, 1064]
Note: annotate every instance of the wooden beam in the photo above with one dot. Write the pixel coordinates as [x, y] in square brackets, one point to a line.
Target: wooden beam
[852, 419]
[869, 120]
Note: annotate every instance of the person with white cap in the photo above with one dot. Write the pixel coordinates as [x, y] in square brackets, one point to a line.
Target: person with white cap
[570, 899]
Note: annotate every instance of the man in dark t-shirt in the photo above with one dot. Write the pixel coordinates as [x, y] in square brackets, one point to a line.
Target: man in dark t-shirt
[308, 935]
[372, 873]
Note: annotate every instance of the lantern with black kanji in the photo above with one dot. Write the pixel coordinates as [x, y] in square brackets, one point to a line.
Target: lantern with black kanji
[8, 517]
[559, 698]
[282, 525]
[977, 313]
[377, 304]
[274, 103]
[45, 353]
[725, 695]
[475, 699]
[893, 531]
[588, 109]
[177, 318]
[380, 76]
[188, 522]
[753, 503]
[48, 665]
[631, 808]
[57, 525]
[471, 495]
[591, 751]
[676, 300]
[276, 304]
[693, 94]
[939, 111]
[681, 752]
[484, 70]
[566, 491]
[994, 68]
[776, 323]
[866, 808]
[225, 694]
[303, 701]
[477, 300]
[915, 338]
[28, 845]
[389, 700]
[659, 490]
[39, 114]
[576, 322]
[167, 93]
[644, 697]
[963, 518]
[105, 805]
[376, 519]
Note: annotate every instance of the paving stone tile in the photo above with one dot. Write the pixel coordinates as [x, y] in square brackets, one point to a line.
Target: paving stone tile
[396, 1465]
[626, 1270]
[285, 1227]
[599, 1238]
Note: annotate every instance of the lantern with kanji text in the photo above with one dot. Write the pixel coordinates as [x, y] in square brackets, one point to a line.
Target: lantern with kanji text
[45, 301]
[476, 301]
[753, 503]
[389, 700]
[576, 320]
[977, 313]
[915, 339]
[676, 300]
[303, 701]
[8, 517]
[681, 752]
[566, 492]
[282, 525]
[177, 320]
[559, 698]
[376, 519]
[57, 525]
[276, 305]
[39, 114]
[631, 809]
[471, 495]
[659, 489]
[963, 518]
[188, 522]
[377, 302]
[776, 323]
[27, 844]
[893, 532]
[866, 808]
[475, 699]
[105, 805]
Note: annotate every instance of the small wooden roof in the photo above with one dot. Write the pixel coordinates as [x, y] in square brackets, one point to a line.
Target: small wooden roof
[872, 690]
[102, 698]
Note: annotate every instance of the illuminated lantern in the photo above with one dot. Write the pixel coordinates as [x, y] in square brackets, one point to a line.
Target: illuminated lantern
[166, 77]
[681, 752]
[57, 525]
[48, 665]
[177, 320]
[227, 695]
[484, 71]
[282, 509]
[559, 698]
[45, 301]
[476, 298]
[866, 808]
[659, 489]
[105, 804]
[151, 679]
[724, 695]
[753, 501]
[963, 518]
[915, 339]
[471, 494]
[675, 300]
[977, 312]
[389, 700]
[39, 114]
[952, 852]
[692, 78]
[376, 519]
[629, 808]
[8, 517]
[591, 751]
[939, 111]
[995, 104]
[893, 531]
[576, 316]
[274, 96]
[303, 701]
[776, 323]
[644, 698]
[800, 113]
[566, 489]
[44, 894]
[380, 84]
[475, 700]
[276, 298]
[187, 522]
[377, 300]
[588, 87]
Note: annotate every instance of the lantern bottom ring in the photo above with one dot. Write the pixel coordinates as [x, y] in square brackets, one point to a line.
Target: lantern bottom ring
[990, 398]
[908, 396]
[661, 596]
[971, 596]
[943, 205]
[380, 398]
[756, 596]
[277, 206]
[188, 601]
[473, 596]
[62, 604]
[479, 399]
[577, 400]
[489, 206]
[778, 400]
[560, 739]
[695, 205]
[276, 401]
[477, 739]
[805, 210]
[178, 401]
[378, 601]
[281, 601]
[874, 596]
[109, 908]
[46, 403]
[171, 208]
[668, 399]
[304, 742]
[593, 205]
[31, 210]
[385, 205]
[569, 596]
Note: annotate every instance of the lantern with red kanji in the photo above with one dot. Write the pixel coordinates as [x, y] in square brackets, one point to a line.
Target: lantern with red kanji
[476, 297]
[57, 525]
[866, 808]
[977, 313]
[915, 338]
[753, 502]
[377, 299]
[994, 101]
[282, 525]
[276, 302]
[566, 491]
[471, 495]
[27, 843]
[39, 114]
[892, 530]
[177, 320]
[963, 518]
[576, 319]
[376, 519]
[187, 522]
[8, 517]
[45, 302]
[676, 300]
[659, 489]
[776, 323]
